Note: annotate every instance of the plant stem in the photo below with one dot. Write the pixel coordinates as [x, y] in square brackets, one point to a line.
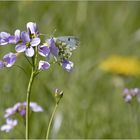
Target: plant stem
[50, 121]
[34, 66]
[28, 102]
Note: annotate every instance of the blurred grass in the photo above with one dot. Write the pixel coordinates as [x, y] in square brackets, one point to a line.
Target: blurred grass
[92, 106]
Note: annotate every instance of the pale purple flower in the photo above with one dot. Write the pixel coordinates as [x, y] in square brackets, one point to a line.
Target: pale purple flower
[67, 65]
[27, 44]
[43, 50]
[14, 39]
[9, 59]
[21, 109]
[32, 28]
[10, 124]
[4, 38]
[43, 65]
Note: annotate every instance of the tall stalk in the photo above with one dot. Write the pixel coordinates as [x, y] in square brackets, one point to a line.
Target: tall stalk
[28, 96]
[28, 102]
[50, 121]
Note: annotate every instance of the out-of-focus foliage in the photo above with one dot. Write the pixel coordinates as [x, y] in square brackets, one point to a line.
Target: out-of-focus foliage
[92, 106]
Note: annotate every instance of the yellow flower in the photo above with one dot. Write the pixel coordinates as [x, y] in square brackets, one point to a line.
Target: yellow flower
[121, 65]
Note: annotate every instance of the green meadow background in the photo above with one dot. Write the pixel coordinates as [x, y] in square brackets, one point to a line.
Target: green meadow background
[92, 106]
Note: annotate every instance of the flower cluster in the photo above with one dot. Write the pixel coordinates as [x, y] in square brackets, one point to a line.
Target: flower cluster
[18, 108]
[29, 42]
[129, 94]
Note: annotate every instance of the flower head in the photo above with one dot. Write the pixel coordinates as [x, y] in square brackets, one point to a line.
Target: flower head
[27, 44]
[58, 95]
[10, 124]
[43, 50]
[67, 65]
[9, 59]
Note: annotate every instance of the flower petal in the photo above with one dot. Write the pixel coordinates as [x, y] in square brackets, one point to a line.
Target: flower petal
[13, 39]
[53, 49]
[43, 50]
[9, 111]
[17, 33]
[29, 52]
[20, 47]
[9, 59]
[32, 27]
[35, 41]
[4, 38]
[35, 107]
[4, 35]
[25, 37]
[6, 128]
[43, 65]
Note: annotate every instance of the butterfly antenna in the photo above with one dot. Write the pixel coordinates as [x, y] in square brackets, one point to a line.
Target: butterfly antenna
[49, 36]
[44, 35]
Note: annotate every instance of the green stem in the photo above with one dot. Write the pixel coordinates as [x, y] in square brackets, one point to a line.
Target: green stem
[50, 121]
[33, 74]
[28, 103]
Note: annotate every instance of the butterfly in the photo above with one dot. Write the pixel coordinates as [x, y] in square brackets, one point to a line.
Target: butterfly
[70, 42]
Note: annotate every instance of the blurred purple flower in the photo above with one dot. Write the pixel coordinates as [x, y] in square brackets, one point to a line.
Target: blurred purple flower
[67, 65]
[27, 44]
[43, 65]
[10, 124]
[21, 109]
[4, 38]
[43, 50]
[128, 98]
[127, 95]
[14, 39]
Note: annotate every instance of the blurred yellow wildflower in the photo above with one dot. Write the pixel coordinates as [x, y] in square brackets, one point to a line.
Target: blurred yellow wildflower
[121, 65]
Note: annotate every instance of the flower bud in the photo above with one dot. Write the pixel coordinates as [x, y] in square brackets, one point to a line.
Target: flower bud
[58, 95]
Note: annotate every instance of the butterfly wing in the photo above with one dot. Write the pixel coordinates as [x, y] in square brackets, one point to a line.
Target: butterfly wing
[70, 41]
